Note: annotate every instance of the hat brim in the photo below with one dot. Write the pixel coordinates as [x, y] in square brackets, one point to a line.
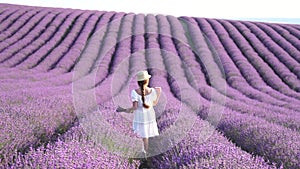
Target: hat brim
[148, 77]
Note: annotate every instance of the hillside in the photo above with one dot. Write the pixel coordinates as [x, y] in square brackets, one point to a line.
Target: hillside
[231, 89]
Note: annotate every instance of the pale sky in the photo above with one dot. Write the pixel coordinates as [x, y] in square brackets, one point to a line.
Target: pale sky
[283, 11]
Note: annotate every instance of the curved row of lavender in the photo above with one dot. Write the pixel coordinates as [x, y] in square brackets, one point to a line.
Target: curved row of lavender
[250, 69]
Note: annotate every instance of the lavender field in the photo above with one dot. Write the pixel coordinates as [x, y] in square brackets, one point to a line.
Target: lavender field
[231, 90]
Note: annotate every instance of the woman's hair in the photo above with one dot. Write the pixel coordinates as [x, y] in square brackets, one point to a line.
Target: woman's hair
[141, 84]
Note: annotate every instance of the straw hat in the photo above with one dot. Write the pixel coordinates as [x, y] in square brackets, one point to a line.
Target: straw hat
[143, 75]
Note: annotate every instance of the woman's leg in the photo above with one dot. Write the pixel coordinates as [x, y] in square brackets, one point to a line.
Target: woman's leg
[146, 144]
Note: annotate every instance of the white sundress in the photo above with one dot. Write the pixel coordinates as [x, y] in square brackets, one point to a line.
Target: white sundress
[144, 121]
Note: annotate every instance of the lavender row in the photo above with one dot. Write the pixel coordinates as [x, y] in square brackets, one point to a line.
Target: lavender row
[6, 48]
[233, 74]
[296, 26]
[25, 45]
[283, 50]
[75, 43]
[284, 117]
[69, 59]
[287, 34]
[253, 57]
[186, 53]
[239, 83]
[109, 41]
[285, 75]
[123, 44]
[260, 66]
[65, 42]
[52, 37]
[231, 91]
[12, 18]
[17, 41]
[284, 61]
[139, 31]
[126, 62]
[168, 56]
[243, 71]
[91, 52]
[24, 60]
[214, 72]
[35, 44]
[27, 80]
[293, 32]
[6, 13]
[8, 33]
[115, 46]
[87, 67]
[276, 143]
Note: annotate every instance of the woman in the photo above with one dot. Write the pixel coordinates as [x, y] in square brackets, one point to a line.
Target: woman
[143, 99]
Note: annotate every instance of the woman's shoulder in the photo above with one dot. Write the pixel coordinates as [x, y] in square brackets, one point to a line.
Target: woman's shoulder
[133, 91]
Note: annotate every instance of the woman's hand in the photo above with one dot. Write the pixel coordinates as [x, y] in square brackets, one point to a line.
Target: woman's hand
[128, 110]
[120, 109]
[158, 91]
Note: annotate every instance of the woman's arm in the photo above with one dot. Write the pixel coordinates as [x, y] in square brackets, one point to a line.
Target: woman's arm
[158, 91]
[134, 107]
[128, 110]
